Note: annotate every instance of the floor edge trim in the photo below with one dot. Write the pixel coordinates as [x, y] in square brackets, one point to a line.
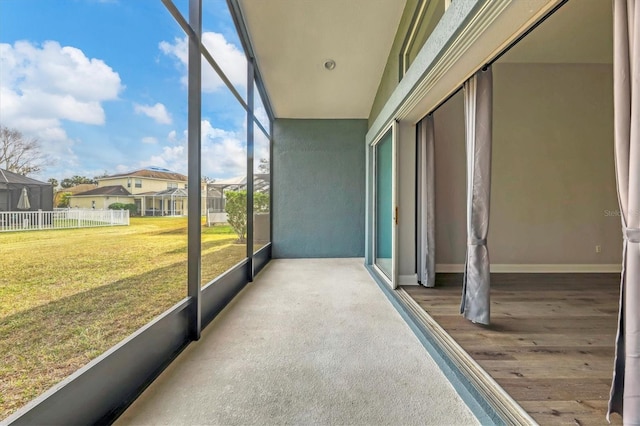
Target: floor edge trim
[475, 401]
[504, 405]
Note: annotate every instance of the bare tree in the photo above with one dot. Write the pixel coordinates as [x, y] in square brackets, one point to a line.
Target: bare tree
[263, 167]
[19, 154]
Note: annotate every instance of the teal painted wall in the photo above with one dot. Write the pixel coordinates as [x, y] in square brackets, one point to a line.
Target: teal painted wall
[318, 188]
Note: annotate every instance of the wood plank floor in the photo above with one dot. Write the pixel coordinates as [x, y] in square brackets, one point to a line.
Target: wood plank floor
[550, 344]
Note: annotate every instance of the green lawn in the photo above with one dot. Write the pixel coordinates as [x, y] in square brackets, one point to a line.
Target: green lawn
[66, 296]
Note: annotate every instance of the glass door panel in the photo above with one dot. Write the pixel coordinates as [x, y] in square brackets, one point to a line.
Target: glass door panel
[384, 221]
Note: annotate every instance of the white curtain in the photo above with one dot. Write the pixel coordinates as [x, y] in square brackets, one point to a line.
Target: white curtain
[625, 389]
[478, 91]
[426, 203]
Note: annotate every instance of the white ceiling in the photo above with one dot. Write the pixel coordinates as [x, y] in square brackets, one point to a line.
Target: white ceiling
[581, 31]
[293, 38]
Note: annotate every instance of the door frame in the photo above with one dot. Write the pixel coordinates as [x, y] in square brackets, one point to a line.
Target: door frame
[392, 127]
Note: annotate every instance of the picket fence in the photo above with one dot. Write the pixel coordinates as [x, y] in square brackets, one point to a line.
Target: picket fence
[61, 219]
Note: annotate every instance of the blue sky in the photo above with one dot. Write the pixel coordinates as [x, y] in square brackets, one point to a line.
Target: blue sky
[102, 85]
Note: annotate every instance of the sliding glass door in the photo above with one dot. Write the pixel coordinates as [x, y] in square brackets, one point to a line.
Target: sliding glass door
[385, 210]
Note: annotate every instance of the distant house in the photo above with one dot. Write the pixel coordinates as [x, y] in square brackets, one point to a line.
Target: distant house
[155, 191]
[40, 194]
[101, 197]
[83, 187]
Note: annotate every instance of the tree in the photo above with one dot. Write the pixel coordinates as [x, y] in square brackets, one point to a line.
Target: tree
[260, 202]
[63, 199]
[76, 180]
[53, 182]
[263, 167]
[19, 154]
[236, 208]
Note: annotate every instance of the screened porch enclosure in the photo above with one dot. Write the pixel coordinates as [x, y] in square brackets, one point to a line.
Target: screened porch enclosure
[170, 202]
[12, 185]
[118, 305]
[540, 344]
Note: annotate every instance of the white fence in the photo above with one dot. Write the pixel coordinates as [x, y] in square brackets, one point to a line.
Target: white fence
[61, 219]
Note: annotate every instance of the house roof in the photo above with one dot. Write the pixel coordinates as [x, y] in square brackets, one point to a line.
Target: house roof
[152, 173]
[83, 187]
[261, 182]
[239, 180]
[8, 177]
[178, 192]
[172, 192]
[234, 181]
[106, 190]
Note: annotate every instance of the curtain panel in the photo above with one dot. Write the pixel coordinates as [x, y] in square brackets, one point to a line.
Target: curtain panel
[426, 203]
[478, 99]
[625, 389]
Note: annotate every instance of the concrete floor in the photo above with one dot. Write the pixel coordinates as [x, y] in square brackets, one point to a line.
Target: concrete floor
[311, 341]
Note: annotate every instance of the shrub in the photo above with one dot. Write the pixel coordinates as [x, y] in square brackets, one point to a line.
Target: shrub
[63, 199]
[236, 208]
[133, 209]
[260, 202]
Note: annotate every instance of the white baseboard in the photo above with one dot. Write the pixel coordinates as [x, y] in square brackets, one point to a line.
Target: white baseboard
[449, 268]
[408, 279]
[538, 268]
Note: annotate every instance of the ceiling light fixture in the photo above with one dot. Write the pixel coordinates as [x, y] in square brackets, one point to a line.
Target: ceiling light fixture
[329, 64]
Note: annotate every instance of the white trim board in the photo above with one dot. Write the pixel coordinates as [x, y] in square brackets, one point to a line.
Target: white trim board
[507, 409]
[537, 268]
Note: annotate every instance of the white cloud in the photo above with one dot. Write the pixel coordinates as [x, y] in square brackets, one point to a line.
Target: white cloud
[261, 114]
[41, 85]
[224, 153]
[122, 168]
[260, 148]
[158, 112]
[231, 59]
[149, 140]
[172, 157]
[211, 133]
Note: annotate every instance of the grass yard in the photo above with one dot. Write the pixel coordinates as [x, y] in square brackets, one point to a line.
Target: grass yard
[66, 296]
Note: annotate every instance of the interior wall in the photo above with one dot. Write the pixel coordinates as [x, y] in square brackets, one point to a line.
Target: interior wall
[553, 185]
[318, 188]
[450, 196]
[554, 188]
